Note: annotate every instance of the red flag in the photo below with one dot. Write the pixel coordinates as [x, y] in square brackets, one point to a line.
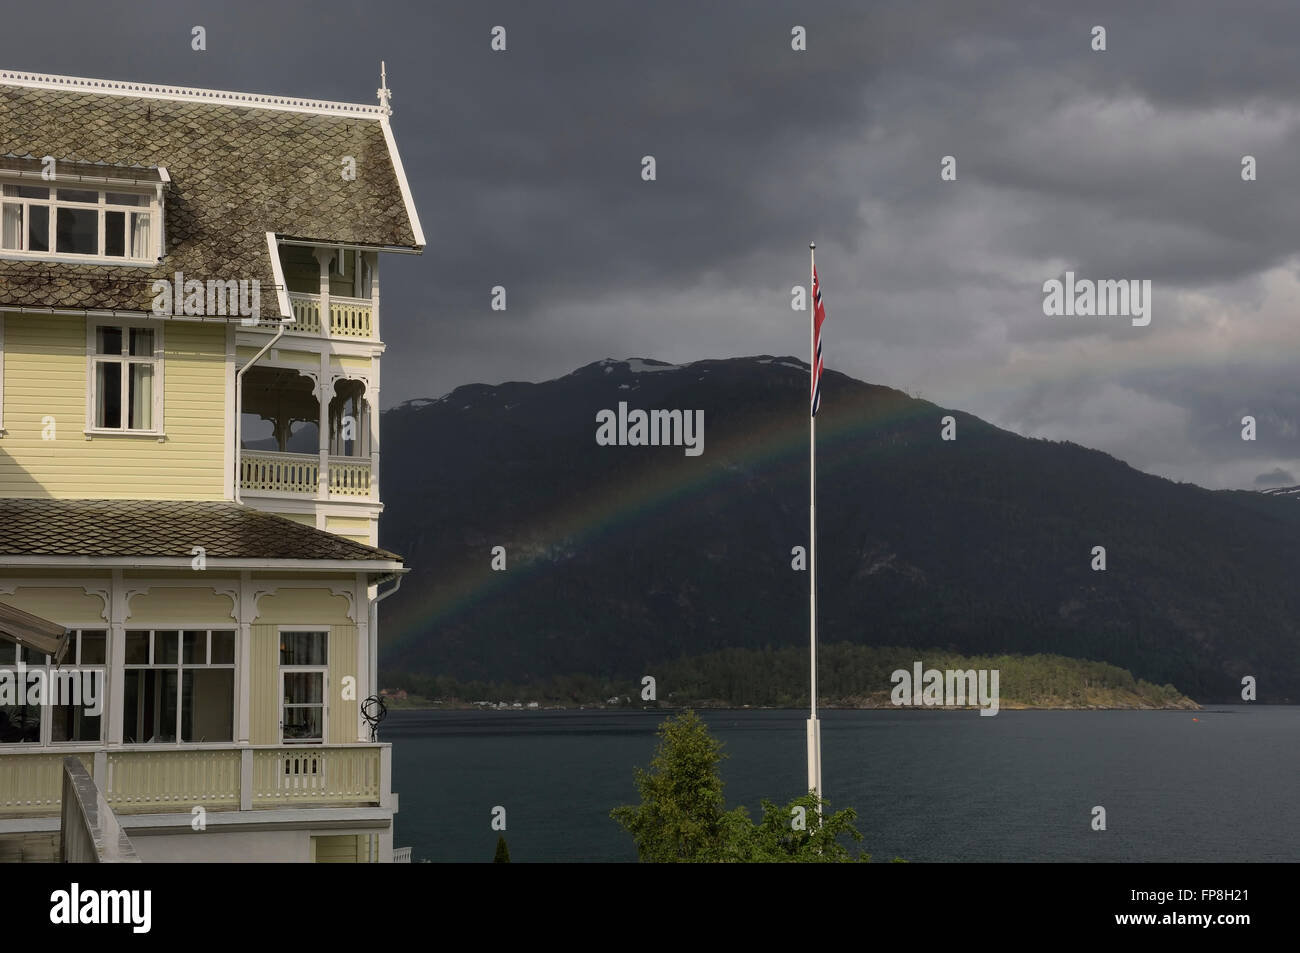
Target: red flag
[819, 315]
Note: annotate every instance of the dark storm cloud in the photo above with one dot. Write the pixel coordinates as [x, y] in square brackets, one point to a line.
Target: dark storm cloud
[526, 170]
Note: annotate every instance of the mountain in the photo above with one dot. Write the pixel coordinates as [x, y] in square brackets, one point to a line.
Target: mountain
[619, 558]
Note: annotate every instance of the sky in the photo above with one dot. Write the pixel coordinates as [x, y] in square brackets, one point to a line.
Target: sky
[526, 167]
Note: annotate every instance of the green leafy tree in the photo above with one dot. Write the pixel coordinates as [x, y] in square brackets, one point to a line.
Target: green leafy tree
[794, 834]
[682, 817]
[502, 855]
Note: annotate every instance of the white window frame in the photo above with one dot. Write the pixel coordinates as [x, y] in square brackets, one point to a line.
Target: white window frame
[8, 656]
[94, 358]
[323, 669]
[180, 667]
[153, 206]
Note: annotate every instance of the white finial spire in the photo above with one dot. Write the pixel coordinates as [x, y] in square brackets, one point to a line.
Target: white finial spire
[385, 94]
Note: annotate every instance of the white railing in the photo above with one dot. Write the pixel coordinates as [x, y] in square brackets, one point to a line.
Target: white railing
[401, 855]
[271, 471]
[349, 476]
[168, 780]
[316, 775]
[351, 318]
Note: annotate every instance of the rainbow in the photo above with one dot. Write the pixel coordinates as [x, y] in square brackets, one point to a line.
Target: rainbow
[780, 443]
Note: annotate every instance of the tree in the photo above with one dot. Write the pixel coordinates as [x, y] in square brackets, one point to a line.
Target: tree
[793, 834]
[502, 856]
[682, 816]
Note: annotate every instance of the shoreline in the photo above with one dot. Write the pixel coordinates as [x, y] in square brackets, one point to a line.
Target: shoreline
[715, 706]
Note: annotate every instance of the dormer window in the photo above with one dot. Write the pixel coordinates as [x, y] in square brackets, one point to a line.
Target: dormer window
[77, 224]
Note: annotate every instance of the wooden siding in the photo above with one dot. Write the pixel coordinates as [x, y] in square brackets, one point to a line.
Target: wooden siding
[200, 607]
[264, 686]
[343, 663]
[72, 606]
[45, 375]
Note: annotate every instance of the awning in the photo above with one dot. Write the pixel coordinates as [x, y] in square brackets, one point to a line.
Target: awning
[40, 635]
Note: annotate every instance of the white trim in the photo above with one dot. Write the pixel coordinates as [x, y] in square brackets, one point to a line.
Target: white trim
[9, 254]
[337, 347]
[179, 666]
[277, 272]
[401, 182]
[313, 819]
[220, 97]
[324, 671]
[99, 180]
[54, 202]
[157, 362]
[183, 562]
[47, 705]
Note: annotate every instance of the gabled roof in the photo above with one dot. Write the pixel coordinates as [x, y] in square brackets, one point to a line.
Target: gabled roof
[35, 531]
[240, 166]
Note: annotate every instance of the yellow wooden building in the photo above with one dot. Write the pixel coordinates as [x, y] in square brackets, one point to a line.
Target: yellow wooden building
[189, 464]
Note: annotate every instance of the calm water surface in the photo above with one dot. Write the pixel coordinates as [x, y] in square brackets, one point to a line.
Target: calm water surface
[927, 785]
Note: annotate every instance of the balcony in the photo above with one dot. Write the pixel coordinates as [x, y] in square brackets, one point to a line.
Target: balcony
[167, 780]
[350, 319]
[298, 474]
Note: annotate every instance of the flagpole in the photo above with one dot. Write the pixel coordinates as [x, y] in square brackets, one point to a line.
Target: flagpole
[814, 727]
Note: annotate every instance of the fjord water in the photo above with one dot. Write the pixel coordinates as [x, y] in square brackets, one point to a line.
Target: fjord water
[927, 785]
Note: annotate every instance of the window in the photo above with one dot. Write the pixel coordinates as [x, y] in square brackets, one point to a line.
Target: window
[46, 222]
[180, 686]
[303, 667]
[42, 704]
[125, 378]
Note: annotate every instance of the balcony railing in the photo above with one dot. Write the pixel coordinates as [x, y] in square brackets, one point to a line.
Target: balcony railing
[268, 471]
[158, 780]
[272, 472]
[350, 318]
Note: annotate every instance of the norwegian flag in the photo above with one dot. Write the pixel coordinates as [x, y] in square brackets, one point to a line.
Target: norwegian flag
[819, 315]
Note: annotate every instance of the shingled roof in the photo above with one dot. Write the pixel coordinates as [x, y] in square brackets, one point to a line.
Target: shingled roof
[237, 172]
[148, 530]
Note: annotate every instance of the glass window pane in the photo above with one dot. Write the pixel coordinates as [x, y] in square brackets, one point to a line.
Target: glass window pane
[141, 397]
[209, 705]
[139, 705]
[303, 724]
[223, 648]
[194, 648]
[11, 226]
[165, 724]
[79, 692]
[108, 394]
[78, 195]
[30, 656]
[20, 724]
[108, 339]
[141, 342]
[93, 651]
[78, 231]
[38, 228]
[137, 648]
[302, 648]
[27, 191]
[126, 198]
[303, 688]
[141, 236]
[115, 234]
[165, 647]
